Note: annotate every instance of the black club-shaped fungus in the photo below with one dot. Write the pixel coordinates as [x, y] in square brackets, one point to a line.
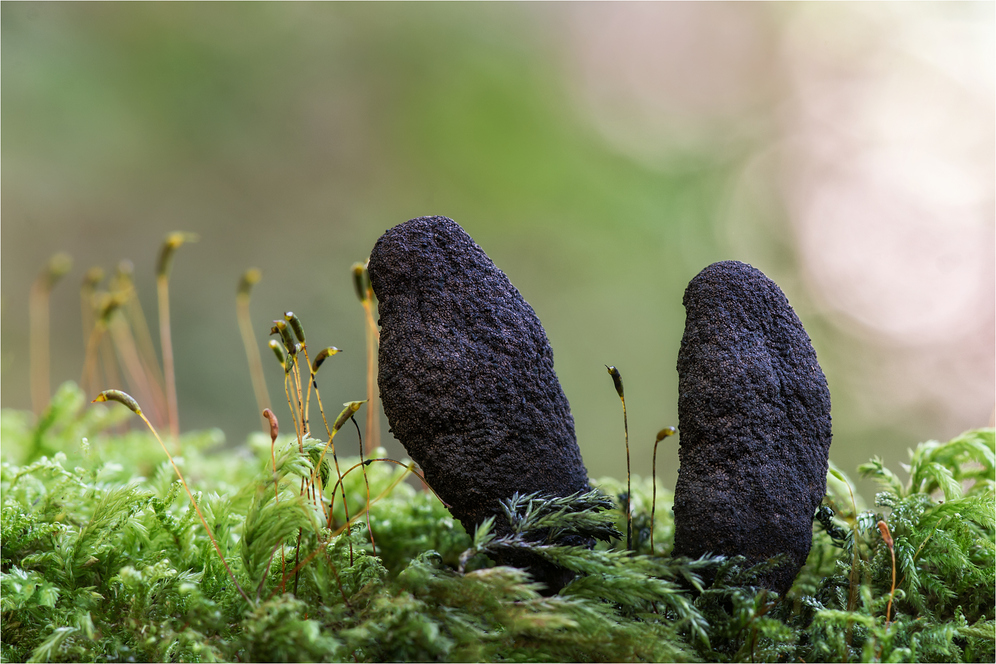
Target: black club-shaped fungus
[754, 416]
[466, 378]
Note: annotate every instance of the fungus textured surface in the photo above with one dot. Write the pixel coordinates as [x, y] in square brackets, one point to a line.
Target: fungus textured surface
[754, 416]
[466, 377]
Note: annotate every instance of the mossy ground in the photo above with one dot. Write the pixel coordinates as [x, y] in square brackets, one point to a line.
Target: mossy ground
[104, 559]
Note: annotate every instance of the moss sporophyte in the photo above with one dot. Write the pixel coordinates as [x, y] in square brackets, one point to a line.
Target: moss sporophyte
[312, 546]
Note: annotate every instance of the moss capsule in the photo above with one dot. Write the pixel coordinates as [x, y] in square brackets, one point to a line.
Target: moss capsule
[665, 432]
[278, 350]
[280, 327]
[323, 355]
[172, 242]
[250, 278]
[361, 281]
[120, 397]
[616, 380]
[274, 424]
[295, 324]
[350, 409]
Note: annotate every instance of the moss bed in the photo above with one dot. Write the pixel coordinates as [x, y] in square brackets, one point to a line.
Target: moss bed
[104, 559]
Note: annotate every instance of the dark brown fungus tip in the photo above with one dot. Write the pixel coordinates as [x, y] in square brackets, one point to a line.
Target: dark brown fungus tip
[754, 416]
[467, 379]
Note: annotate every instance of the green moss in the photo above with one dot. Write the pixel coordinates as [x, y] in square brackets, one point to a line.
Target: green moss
[103, 558]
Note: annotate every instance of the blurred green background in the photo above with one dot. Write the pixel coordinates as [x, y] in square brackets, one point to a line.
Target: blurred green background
[601, 154]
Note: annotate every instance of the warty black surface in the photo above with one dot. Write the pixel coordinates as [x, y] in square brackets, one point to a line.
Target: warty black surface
[467, 380]
[754, 418]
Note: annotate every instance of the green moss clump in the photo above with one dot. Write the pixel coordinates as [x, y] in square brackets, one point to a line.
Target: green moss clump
[103, 558]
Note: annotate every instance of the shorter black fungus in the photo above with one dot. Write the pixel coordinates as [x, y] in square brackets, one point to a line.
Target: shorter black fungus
[467, 380]
[754, 416]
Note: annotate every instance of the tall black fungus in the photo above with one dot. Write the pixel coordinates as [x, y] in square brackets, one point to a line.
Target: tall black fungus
[467, 380]
[754, 416]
